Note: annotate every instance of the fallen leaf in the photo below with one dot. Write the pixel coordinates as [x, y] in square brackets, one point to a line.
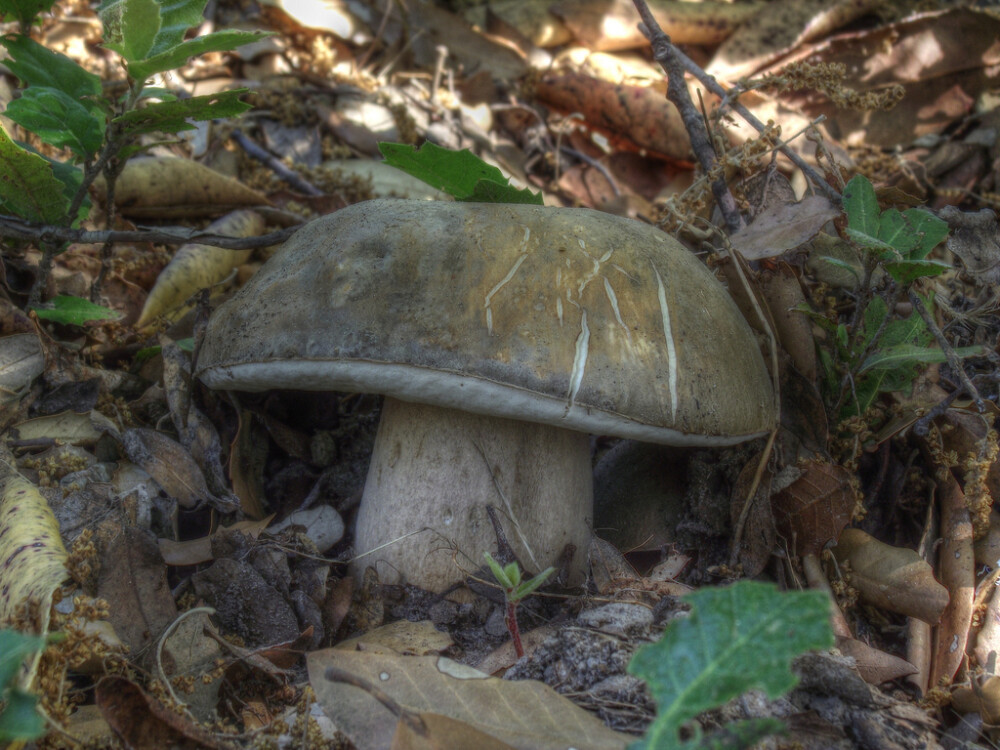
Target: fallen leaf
[401, 637]
[158, 187]
[895, 578]
[784, 227]
[195, 267]
[528, 715]
[168, 463]
[815, 508]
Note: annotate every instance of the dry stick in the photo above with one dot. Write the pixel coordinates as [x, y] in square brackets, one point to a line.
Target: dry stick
[687, 64]
[666, 54]
[949, 352]
[15, 228]
[275, 165]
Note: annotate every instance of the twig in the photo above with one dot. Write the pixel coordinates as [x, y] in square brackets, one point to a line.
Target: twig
[949, 352]
[275, 164]
[668, 56]
[687, 64]
[15, 228]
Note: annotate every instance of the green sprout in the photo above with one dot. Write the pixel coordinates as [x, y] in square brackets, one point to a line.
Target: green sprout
[514, 590]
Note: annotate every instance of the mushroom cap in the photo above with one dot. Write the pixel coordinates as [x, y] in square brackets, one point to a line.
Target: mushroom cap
[568, 317]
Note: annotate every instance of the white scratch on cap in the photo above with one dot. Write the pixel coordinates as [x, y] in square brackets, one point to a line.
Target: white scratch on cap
[668, 335]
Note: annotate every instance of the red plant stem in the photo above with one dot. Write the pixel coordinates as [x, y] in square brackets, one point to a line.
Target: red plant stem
[510, 620]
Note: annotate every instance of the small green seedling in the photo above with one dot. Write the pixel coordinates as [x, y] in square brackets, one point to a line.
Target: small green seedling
[514, 590]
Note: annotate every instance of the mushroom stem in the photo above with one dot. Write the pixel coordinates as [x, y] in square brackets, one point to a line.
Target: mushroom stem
[435, 470]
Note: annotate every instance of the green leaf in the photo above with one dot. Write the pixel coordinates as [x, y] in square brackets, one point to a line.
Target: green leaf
[23, 10]
[28, 186]
[178, 17]
[738, 735]
[73, 311]
[861, 206]
[931, 229]
[175, 57]
[58, 119]
[14, 648]
[461, 174]
[895, 231]
[172, 117]
[907, 271]
[843, 264]
[892, 357]
[488, 191]
[130, 26]
[38, 66]
[735, 639]
[527, 587]
[19, 719]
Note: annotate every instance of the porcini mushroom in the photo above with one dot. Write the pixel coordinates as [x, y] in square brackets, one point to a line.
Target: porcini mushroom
[500, 335]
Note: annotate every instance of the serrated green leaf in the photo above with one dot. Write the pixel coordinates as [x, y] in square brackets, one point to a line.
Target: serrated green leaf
[19, 719]
[907, 271]
[488, 191]
[58, 119]
[175, 57]
[38, 66]
[130, 26]
[735, 639]
[738, 735]
[23, 11]
[178, 17]
[73, 311]
[863, 394]
[172, 117]
[861, 206]
[28, 186]
[869, 241]
[871, 321]
[461, 174]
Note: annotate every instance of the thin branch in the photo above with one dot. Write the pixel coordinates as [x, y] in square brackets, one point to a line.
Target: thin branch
[275, 164]
[668, 56]
[15, 228]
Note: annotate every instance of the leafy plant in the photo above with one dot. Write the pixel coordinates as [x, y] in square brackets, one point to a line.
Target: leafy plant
[19, 719]
[461, 174]
[878, 352]
[735, 639]
[65, 107]
[515, 590]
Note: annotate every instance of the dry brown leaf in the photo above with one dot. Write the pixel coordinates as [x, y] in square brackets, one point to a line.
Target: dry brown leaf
[958, 574]
[528, 715]
[874, 666]
[983, 697]
[758, 535]
[160, 187]
[134, 578]
[401, 637]
[784, 227]
[640, 115]
[168, 463]
[783, 294]
[195, 267]
[140, 721]
[771, 34]
[195, 551]
[82, 429]
[944, 59]
[894, 578]
[610, 25]
[429, 731]
[21, 361]
[815, 508]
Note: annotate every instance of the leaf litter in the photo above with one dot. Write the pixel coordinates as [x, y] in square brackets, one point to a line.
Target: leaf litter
[352, 83]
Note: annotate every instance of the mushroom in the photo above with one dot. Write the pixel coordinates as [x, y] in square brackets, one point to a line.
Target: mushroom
[500, 335]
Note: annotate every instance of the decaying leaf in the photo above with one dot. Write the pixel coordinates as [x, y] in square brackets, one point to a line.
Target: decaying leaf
[815, 508]
[195, 266]
[895, 578]
[159, 187]
[527, 714]
[874, 666]
[32, 556]
[168, 463]
[21, 361]
[401, 637]
[784, 227]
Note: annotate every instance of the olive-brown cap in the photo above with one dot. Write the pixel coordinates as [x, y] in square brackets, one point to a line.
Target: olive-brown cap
[569, 317]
